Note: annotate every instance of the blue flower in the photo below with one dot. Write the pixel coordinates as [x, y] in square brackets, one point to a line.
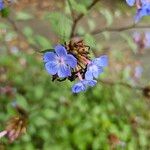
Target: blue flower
[59, 62]
[83, 85]
[95, 68]
[130, 2]
[1, 5]
[78, 87]
[143, 11]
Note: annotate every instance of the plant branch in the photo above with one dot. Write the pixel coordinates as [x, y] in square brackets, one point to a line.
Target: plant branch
[117, 29]
[79, 17]
[71, 10]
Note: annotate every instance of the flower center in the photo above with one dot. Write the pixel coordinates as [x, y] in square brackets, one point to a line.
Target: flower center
[60, 60]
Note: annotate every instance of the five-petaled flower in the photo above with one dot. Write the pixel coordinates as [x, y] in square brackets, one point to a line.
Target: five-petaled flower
[59, 62]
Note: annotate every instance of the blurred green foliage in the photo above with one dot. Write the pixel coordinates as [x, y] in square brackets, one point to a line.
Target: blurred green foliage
[61, 120]
[58, 119]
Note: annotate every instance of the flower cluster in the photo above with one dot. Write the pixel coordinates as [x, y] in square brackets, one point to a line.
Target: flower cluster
[143, 8]
[72, 61]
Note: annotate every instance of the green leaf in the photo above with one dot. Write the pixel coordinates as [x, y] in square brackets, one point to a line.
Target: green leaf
[91, 24]
[23, 16]
[21, 101]
[5, 12]
[49, 113]
[4, 26]
[81, 30]
[89, 40]
[84, 2]
[106, 35]
[46, 50]
[126, 73]
[108, 16]
[38, 92]
[60, 24]
[43, 42]
[28, 31]
[78, 7]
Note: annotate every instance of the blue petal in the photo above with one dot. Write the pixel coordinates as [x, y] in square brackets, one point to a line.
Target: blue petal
[96, 73]
[78, 87]
[138, 16]
[145, 2]
[93, 71]
[100, 70]
[147, 9]
[64, 71]
[71, 61]
[130, 2]
[91, 83]
[51, 67]
[101, 61]
[88, 75]
[60, 50]
[49, 56]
